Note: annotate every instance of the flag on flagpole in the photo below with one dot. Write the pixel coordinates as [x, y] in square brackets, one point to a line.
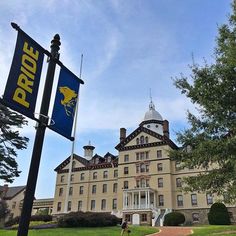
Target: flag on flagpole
[65, 103]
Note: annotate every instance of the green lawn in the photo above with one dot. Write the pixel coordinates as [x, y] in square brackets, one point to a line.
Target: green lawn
[105, 231]
[214, 230]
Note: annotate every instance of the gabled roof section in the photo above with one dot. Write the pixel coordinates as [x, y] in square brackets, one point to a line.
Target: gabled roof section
[13, 191]
[164, 140]
[67, 161]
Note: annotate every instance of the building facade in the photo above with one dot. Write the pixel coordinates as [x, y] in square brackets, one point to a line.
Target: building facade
[141, 184]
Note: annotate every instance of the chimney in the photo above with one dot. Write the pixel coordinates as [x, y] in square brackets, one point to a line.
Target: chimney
[122, 134]
[88, 151]
[4, 190]
[166, 128]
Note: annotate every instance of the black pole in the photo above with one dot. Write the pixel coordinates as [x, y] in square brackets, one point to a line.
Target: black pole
[38, 142]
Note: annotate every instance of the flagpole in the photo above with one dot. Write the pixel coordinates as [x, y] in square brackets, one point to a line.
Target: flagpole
[73, 145]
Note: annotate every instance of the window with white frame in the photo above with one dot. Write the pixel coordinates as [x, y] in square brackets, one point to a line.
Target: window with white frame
[59, 206]
[81, 189]
[94, 189]
[126, 184]
[194, 199]
[159, 153]
[159, 167]
[60, 191]
[71, 191]
[180, 201]
[95, 175]
[82, 176]
[80, 205]
[115, 185]
[104, 188]
[105, 174]
[103, 204]
[161, 200]
[62, 178]
[92, 207]
[126, 170]
[72, 177]
[115, 173]
[178, 182]
[114, 203]
[209, 199]
[126, 158]
[160, 182]
[69, 206]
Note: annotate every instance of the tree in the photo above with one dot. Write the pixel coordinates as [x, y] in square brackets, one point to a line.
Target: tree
[3, 209]
[10, 141]
[210, 142]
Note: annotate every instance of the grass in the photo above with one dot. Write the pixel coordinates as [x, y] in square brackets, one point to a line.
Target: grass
[214, 230]
[105, 231]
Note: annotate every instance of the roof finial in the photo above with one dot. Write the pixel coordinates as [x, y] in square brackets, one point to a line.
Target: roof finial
[150, 91]
[151, 105]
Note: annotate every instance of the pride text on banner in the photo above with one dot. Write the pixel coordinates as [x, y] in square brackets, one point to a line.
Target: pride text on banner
[23, 80]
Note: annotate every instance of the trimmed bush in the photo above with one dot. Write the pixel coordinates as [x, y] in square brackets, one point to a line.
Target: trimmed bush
[218, 214]
[88, 219]
[174, 219]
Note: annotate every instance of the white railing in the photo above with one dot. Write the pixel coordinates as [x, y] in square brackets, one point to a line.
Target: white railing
[156, 213]
[163, 217]
[137, 206]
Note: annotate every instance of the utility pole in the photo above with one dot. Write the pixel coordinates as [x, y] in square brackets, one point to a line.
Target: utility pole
[39, 138]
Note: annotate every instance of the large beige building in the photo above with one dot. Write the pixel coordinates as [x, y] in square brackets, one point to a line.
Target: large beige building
[141, 184]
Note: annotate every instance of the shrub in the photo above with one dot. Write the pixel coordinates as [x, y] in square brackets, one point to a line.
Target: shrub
[88, 219]
[218, 214]
[174, 219]
[16, 220]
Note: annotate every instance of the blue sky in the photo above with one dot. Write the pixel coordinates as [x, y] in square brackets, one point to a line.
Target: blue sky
[129, 46]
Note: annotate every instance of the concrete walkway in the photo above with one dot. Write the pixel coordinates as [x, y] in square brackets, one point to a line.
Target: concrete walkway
[173, 231]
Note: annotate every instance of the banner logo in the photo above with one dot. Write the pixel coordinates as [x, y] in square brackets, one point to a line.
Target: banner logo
[23, 80]
[69, 100]
[65, 103]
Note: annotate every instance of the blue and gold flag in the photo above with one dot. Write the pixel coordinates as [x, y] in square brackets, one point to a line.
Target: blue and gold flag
[65, 103]
[23, 80]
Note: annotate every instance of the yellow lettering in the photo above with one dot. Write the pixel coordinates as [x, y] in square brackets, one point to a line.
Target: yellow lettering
[30, 51]
[24, 83]
[20, 97]
[26, 72]
[29, 63]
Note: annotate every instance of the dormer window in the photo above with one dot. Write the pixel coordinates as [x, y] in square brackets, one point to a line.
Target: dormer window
[137, 141]
[146, 139]
[109, 159]
[96, 161]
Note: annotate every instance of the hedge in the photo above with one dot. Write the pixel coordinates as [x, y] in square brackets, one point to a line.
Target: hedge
[174, 219]
[88, 219]
[218, 214]
[16, 219]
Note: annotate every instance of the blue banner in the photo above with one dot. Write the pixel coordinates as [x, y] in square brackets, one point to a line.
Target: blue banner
[65, 103]
[23, 81]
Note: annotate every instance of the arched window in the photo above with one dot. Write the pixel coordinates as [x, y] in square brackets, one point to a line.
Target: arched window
[73, 164]
[142, 140]
[146, 139]
[95, 175]
[137, 141]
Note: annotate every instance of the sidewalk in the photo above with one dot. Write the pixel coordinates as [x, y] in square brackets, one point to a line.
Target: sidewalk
[173, 231]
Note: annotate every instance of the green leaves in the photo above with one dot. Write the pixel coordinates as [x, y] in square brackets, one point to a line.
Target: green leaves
[212, 134]
[10, 142]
